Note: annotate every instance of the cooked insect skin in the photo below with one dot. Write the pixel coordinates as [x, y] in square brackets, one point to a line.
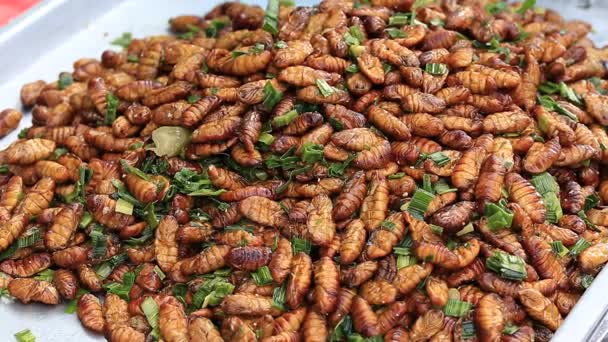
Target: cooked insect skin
[262, 210]
[388, 123]
[115, 312]
[320, 224]
[89, 278]
[172, 320]
[89, 313]
[165, 243]
[489, 317]
[102, 208]
[544, 261]
[66, 283]
[63, 226]
[408, 277]
[375, 204]
[523, 193]
[9, 120]
[540, 308]
[427, 325]
[13, 193]
[382, 241]
[248, 258]
[365, 320]
[281, 260]
[29, 151]
[491, 180]
[352, 242]
[351, 198]
[208, 260]
[27, 266]
[71, 257]
[299, 281]
[28, 290]
[202, 329]
[453, 218]
[593, 256]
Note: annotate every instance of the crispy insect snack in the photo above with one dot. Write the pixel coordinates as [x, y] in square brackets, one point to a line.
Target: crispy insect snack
[358, 170]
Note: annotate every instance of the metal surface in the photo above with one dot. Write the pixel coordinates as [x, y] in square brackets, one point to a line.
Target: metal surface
[53, 34]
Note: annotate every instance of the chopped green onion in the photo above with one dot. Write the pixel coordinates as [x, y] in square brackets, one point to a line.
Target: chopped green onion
[437, 22]
[399, 19]
[237, 53]
[436, 229]
[281, 44]
[441, 187]
[405, 261]
[180, 290]
[436, 69]
[397, 175]
[526, 5]
[426, 183]
[278, 297]
[133, 170]
[548, 88]
[23, 133]
[122, 289]
[271, 17]
[266, 138]
[300, 245]
[151, 310]
[124, 207]
[508, 266]
[169, 141]
[388, 225]
[545, 183]
[586, 280]
[498, 215]
[159, 272]
[352, 69]
[559, 249]
[569, 94]
[580, 214]
[553, 207]
[262, 276]
[189, 35]
[550, 104]
[496, 7]
[324, 88]
[27, 239]
[98, 241]
[85, 220]
[457, 308]
[212, 292]
[132, 59]
[386, 68]
[597, 83]
[192, 99]
[578, 247]
[111, 108]
[466, 230]
[395, 33]
[591, 201]
[343, 329]
[402, 251]
[510, 329]
[25, 336]
[468, 330]
[123, 40]
[285, 119]
[338, 169]
[311, 153]
[419, 203]
[215, 27]
[355, 31]
[104, 269]
[65, 80]
[46, 275]
[272, 96]
[258, 48]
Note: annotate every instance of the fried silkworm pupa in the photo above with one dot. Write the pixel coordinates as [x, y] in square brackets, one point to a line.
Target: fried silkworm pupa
[90, 313]
[172, 321]
[327, 283]
[299, 281]
[9, 120]
[165, 243]
[248, 258]
[31, 290]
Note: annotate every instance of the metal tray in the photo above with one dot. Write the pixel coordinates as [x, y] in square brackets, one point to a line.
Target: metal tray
[50, 36]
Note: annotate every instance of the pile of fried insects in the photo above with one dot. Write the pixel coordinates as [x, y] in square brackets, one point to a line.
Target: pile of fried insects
[383, 170]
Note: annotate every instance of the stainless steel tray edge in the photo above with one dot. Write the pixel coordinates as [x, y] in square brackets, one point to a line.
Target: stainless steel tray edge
[31, 49]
